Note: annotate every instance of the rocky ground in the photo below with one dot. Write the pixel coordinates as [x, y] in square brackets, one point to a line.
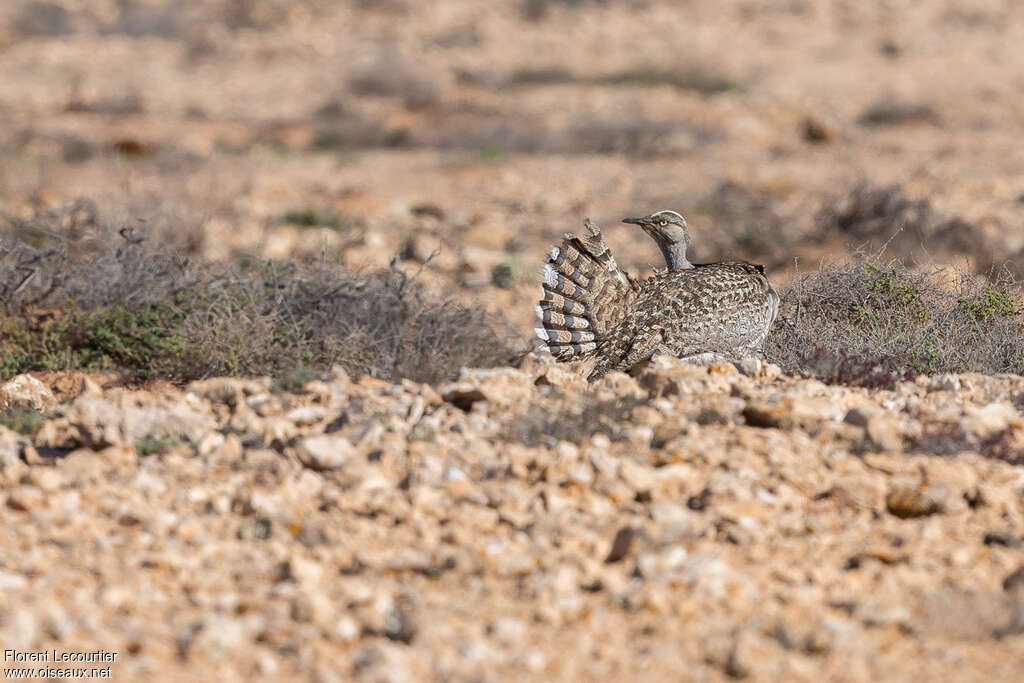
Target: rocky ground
[685, 523]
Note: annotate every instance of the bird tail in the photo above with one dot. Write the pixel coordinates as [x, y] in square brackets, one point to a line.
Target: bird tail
[584, 294]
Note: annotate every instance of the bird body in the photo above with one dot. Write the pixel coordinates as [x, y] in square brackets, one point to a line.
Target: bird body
[590, 309]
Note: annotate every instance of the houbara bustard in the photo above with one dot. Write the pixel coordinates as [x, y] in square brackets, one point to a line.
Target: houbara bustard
[592, 310]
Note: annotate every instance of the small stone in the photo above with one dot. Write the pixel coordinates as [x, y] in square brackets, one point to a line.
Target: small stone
[767, 416]
[25, 499]
[228, 390]
[325, 452]
[499, 386]
[856, 417]
[11, 446]
[906, 503]
[347, 630]
[306, 416]
[945, 383]
[464, 489]
[48, 479]
[560, 376]
[884, 432]
[620, 385]
[750, 366]
[25, 391]
[621, 544]
[12, 581]
[1014, 581]
[987, 420]
[265, 404]
[90, 388]
[509, 631]
[304, 570]
[258, 529]
[1004, 539]
[814, 131]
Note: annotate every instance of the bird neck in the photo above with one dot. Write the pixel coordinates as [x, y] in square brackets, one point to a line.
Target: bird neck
[675, 255]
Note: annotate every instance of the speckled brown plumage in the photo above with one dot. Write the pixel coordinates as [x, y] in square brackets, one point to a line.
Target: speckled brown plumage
[592, 310]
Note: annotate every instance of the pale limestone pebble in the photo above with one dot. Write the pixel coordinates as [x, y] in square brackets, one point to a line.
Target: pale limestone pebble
[319, 391]
[265, 404]
[640, 478]
[769, 373]
[25, 391]
[507, 558]
[951, 482]
[752, 653]
[509, 631]
[858, 488]
[381, 660]
[562, 377]
[26, 498]
[306, 416]
[326, 452]
[520, 506]
[987, 420]
[21, 628]
[460, 489]
[618, 385]
[125, 417]
[223, 449]
[228, 390]
[667, 376]
[90, 388]
[750, 366]
[561, 602]
[536, 363]
[277, 430]
[566, 460]
[48, 479]
[12, 581]
[885, 432]
[345, 630]
[497, 387]
[304, 570]
[12, 445]
[210, 443]
[223, 636]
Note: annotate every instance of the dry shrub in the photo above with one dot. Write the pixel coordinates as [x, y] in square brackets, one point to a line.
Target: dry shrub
[888, 113]
[392, 76]
[869, 324]
[43, 19]
[536, 10]
[633, 136]
[137, 20]
[119, 301]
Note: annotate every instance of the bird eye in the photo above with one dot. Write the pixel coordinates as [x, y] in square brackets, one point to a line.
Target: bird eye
[662, 223]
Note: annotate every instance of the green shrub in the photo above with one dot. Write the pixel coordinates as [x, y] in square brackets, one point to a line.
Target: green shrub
[22, 420]
[864, 323]
[314, 218]
[143, 310]
[156, 444]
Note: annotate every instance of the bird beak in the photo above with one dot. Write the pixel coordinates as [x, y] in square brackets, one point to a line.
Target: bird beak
[634, 221]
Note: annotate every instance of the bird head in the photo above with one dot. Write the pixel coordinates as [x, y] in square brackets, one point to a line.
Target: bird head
[665, 227]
